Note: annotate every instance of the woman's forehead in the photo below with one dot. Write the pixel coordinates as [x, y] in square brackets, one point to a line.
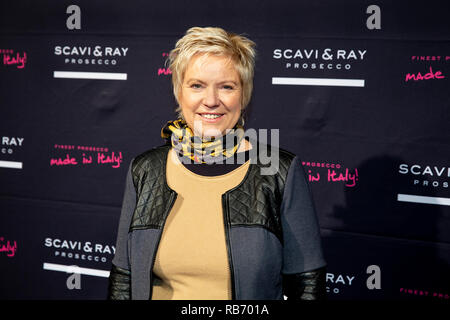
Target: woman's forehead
[210, 64]
[205, 59]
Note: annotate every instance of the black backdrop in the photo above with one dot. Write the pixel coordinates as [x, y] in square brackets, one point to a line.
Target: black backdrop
[374, 150]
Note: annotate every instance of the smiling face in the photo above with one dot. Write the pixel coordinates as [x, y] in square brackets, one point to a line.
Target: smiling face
[210, 95]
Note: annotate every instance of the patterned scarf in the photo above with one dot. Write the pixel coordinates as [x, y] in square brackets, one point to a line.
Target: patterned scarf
[206, 150]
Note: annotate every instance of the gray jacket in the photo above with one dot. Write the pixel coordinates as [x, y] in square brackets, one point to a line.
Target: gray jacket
[271, 229]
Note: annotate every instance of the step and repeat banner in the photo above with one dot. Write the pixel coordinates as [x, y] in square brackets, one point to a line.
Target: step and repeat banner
[358, 89]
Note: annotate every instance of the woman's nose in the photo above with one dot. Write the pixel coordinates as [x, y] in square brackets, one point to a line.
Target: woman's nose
[211, 98]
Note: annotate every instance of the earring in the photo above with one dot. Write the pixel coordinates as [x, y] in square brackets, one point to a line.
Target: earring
[242, 120]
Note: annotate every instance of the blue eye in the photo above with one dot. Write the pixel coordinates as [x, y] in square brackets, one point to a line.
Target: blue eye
[228, 87]
[196, 86]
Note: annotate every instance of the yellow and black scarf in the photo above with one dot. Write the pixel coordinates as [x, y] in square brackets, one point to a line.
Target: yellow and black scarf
[211, 149]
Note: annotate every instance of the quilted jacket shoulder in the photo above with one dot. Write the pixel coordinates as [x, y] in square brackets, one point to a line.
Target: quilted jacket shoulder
[149, 178]
[257, 199]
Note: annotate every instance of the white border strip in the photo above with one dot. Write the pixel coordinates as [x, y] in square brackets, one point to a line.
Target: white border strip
[423, 199]
[11, 164]
[319, 82]
[75, 269]
[90, 75]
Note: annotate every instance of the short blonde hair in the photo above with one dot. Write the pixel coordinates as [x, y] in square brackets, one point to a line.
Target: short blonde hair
[216, 41]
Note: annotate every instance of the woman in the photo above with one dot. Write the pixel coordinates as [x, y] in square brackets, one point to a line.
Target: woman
[196, 223]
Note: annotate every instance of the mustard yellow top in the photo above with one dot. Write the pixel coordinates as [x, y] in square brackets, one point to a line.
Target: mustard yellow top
[192, 259]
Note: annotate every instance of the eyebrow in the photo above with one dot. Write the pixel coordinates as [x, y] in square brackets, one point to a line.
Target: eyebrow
[221, 82]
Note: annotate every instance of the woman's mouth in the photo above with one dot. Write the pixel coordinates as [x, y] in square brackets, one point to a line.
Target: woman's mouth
[211, 117]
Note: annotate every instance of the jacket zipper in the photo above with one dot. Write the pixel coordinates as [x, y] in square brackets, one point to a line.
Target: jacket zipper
[226, 219]
[173, 197]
